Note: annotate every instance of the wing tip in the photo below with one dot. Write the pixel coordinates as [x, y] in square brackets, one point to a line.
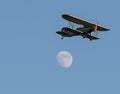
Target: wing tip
[107, 29]
[64, 15]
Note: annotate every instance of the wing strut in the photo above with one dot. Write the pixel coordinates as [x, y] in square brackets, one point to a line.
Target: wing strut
[71, 24]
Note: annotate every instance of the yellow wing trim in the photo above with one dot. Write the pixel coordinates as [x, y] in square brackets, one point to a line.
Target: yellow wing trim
[83, 22]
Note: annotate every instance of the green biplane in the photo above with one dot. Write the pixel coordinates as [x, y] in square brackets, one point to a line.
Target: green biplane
[84, 31]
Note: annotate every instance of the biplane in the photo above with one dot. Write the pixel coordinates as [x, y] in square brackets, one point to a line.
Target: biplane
[85, 28]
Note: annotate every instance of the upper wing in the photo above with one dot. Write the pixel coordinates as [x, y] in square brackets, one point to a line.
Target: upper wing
[80, 33]
[83, 22]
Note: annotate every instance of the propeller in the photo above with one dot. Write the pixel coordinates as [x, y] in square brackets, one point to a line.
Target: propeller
[95, 29]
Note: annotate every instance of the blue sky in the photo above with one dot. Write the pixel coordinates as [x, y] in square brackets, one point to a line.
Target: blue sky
[29, 45]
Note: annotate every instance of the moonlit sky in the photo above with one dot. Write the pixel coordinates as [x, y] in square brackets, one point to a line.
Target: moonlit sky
[29, 45]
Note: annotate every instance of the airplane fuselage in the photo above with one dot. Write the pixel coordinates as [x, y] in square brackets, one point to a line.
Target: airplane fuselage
[85, 30]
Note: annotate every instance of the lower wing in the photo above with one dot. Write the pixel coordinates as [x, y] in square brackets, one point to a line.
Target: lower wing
[81, 33]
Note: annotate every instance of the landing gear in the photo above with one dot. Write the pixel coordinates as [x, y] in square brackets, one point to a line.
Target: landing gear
[85, 34]
[62, 38]
[91, 39]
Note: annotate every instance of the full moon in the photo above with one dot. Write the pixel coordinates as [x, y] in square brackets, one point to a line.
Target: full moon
[64, 59]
